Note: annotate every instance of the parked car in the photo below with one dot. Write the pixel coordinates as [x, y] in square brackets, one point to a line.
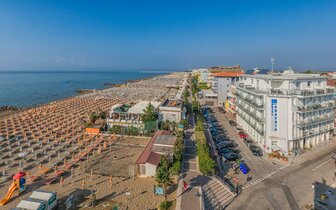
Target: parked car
[238, 129]
[256, 150]
[226, 145]
[231, 156]
[242, 135]
[232, 123]
[248, 142]
[228, 150]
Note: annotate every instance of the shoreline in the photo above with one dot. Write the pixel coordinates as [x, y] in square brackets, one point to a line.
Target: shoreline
[76, 94]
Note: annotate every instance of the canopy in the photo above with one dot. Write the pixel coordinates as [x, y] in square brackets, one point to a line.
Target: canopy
[19, 174]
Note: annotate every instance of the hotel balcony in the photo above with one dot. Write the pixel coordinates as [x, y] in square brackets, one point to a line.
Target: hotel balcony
[253, 125]
[316, 107]
[251, 101]
[303, 93]
[309, 122]
[251, 113]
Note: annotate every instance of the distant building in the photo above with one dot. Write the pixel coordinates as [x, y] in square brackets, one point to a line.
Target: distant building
[172, 110]
[257, 71]
[126, 115]
[221, 84]
[324, 197]
[203, 78]
[286, 112]
[162, 143]
[217, 69]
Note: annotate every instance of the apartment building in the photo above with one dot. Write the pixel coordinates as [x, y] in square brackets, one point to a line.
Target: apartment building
[203, 78]
[221, 83]
[286, 112]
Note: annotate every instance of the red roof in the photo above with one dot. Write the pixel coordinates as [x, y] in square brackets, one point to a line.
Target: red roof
[147, 155]
[154, 158]
[227, 74]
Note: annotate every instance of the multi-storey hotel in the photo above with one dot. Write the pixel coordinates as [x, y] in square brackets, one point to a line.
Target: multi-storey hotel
[286, 112]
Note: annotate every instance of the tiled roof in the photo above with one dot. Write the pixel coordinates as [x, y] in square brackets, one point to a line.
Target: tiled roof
[145, 155]
[227, 74]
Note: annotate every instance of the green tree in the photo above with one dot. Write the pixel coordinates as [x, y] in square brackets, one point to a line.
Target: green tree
[195, 106]
[308, 72]
[150, 114]
[163, 174]
[102, 115]
[93, 117]
[186, 95]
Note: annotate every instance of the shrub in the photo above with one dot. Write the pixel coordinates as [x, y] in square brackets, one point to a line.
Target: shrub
[176, 168]
[133, 131]
[165, 205]
[115, 129]
[206, 164]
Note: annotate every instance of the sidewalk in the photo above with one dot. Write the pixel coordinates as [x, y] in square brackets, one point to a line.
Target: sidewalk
[191, 200]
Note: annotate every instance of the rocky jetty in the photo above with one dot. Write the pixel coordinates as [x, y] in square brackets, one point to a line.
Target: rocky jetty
[8, 108]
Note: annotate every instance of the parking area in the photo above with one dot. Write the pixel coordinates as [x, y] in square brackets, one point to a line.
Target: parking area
[236, 152]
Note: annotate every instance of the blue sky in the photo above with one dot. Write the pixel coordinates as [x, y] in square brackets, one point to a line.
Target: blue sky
[166, 35]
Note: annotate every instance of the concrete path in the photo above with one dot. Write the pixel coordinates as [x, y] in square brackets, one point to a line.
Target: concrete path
[191, 199]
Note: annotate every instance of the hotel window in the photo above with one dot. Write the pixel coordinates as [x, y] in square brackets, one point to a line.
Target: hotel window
[309, 84]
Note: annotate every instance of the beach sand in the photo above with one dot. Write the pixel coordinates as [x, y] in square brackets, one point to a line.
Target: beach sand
[54, 135]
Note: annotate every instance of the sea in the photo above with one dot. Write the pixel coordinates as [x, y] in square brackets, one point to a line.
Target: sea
[30, 88]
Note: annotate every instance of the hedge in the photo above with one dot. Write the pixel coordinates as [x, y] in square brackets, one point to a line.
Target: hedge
[206, 164]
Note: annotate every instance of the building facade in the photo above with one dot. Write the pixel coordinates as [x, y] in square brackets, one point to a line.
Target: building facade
[221, 84]
[172, 110]
[286, 112]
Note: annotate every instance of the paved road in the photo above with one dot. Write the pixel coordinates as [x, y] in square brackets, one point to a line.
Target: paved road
[290, 188]
[261, 167]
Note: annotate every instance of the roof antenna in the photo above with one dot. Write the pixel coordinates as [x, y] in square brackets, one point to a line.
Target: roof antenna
[272, 61]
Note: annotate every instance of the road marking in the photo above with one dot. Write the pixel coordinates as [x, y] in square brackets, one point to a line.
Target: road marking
[254, 182]
[317, 167]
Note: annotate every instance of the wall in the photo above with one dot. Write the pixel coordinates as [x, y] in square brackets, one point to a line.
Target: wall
[150, 169]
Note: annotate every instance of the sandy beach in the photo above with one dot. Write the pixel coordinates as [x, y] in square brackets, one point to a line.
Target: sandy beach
[49, 143]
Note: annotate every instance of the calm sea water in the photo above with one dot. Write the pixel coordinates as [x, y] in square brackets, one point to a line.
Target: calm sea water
[24, 89]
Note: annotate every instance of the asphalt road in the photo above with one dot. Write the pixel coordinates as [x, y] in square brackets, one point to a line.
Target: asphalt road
[278, 185]
[261, 167]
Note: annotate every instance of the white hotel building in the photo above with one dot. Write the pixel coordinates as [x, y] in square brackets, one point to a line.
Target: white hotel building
[286, 112]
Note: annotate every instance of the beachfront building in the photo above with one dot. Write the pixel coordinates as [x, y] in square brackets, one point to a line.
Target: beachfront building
[172, 110]
[286, 112]
[162, 143]
[230, 103]
[221, 84]
[125, 115]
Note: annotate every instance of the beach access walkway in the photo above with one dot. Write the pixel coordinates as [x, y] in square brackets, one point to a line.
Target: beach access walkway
[192, 198]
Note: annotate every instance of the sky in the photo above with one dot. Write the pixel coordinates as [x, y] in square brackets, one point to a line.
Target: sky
[166, 35]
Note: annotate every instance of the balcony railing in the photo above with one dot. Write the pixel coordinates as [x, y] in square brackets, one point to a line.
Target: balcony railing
[250, 101]
[300, 93]
[305, 123]
[251, 113]
[252, 124]
[315, 107]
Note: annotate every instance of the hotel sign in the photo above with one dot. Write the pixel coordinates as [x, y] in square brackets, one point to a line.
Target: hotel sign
[274, 114]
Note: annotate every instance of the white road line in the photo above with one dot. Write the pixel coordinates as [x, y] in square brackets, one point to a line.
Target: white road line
[264, 177]
[322, 164]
